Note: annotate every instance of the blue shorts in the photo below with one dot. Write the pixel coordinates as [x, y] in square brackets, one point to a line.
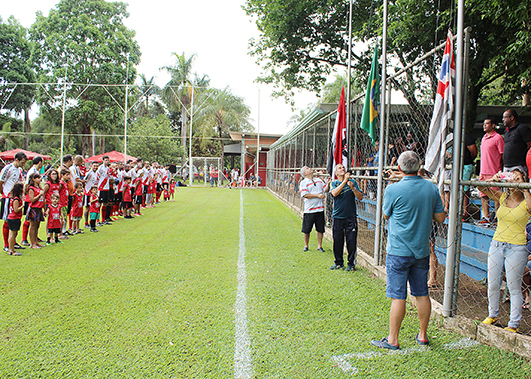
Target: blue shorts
[401, 270]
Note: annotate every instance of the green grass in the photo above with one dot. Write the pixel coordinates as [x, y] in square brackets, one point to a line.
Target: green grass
[154, 297]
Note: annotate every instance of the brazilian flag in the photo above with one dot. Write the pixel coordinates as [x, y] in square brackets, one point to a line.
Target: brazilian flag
[370, 107]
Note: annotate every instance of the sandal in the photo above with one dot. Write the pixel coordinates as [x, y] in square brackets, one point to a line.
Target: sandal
[525, 305]
[16, 253]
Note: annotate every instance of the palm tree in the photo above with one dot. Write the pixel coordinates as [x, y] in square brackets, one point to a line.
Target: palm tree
[177, 92]
[222, 112]
[147, 90]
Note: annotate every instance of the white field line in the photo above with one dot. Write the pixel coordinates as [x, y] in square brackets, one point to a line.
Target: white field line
[342, 361]
[242, 351]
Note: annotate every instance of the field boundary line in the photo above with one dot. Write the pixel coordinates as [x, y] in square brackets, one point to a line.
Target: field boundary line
[242, 349]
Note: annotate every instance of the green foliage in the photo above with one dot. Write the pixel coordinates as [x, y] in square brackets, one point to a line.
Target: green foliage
[153, 140]
[302, 41]
[85, 42]
[16, 66]
[331, 92]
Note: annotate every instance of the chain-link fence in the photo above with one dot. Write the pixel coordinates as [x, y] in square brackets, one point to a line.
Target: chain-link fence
[408, 114]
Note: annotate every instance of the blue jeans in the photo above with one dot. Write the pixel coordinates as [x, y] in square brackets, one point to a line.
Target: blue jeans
[514, 259]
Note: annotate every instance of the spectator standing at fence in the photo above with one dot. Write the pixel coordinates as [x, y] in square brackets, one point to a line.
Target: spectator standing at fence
[491, 162]
[10, 174]
[508, 247]
[517, 139]
[313, 192]
[470, 153]
[409, 205]
[345, 218]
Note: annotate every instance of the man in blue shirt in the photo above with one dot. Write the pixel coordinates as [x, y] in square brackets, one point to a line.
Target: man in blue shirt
[409, 205]
[345, 227]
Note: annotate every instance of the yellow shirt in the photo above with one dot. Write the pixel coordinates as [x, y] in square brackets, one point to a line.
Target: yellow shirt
[511, 223]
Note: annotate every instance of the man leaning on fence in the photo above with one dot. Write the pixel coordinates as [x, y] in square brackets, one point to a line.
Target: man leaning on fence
[312, 191]
[409, 205]
[345, 227]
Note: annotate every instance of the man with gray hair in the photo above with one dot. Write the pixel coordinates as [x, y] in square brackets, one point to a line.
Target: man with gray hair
[410, 206]
[312, 191]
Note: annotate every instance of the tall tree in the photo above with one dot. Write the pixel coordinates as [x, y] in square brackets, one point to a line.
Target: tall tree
[302, 41]
[16, 66]
[177, 93]
[221, 112]
[85, 41]
[147, 91]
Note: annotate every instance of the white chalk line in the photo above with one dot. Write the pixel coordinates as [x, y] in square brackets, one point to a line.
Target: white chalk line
[242, 350]
[342, 361]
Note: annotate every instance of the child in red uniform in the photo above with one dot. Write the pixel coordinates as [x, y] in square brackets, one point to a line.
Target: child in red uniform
[127, 198]
[14, 216]
[139, 191]
[35, 214]
[77, 209]
[63, 200]
[55, 219]
[172, 189]
[94, 208]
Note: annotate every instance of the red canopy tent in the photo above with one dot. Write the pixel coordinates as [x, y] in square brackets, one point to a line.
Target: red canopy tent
[10, 155]
[114, 156]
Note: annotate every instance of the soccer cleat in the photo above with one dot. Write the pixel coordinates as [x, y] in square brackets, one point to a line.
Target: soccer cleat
[25, 243]
[17, 246]
[6, 249]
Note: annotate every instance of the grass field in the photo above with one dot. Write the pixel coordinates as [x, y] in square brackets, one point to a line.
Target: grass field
[154, 297]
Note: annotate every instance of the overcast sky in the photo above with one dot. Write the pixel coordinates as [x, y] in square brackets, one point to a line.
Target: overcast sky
[218, 33]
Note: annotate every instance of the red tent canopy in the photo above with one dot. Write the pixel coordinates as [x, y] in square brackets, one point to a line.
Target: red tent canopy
[10, 155]
[114, 156]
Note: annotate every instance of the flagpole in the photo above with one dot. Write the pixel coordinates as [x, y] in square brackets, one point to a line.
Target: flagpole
[349, 149]
[456, 167]
[379, 201]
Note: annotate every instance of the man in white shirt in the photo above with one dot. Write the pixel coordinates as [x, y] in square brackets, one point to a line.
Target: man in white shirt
[313, 192]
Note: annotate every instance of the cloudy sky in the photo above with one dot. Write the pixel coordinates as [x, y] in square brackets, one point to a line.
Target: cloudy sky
[216, 31]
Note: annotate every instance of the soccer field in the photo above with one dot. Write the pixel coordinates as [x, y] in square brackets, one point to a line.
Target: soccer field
[214, 285]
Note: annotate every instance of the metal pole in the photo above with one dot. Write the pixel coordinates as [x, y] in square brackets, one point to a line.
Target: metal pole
[63, 116]
[456, 167]
[379, 201]
[126, 109]
[461, 193]
[258, 143]
[349, 150]
[191, 168]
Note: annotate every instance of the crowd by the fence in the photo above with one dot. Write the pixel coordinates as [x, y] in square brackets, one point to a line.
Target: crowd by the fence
[74, 193]
[502, 159]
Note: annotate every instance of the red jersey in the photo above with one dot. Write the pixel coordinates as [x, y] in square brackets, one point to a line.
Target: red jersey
[166, 193]
[52, 187]
[95, 206]
[77, 206]
[40, 201]
[138, 188]
[12, 214]
[54, 217]
[127, 193]
[63, 194]
[152, 187]
[172, 188]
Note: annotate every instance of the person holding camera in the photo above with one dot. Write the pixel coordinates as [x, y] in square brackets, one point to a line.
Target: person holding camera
[345, 225]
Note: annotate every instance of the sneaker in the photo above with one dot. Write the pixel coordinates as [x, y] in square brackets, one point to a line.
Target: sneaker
[94, 230]
[384, 344]
[321, 250]
[421, 342]
[58, 241]
[17, 246]
[80, 232]
[305, 248]
[87, 226]
[25, 243]
[490, 320]
[48, 243]
[6, 249]
[336, 267]
[511, 329]
[483, 221]
[350, 268]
